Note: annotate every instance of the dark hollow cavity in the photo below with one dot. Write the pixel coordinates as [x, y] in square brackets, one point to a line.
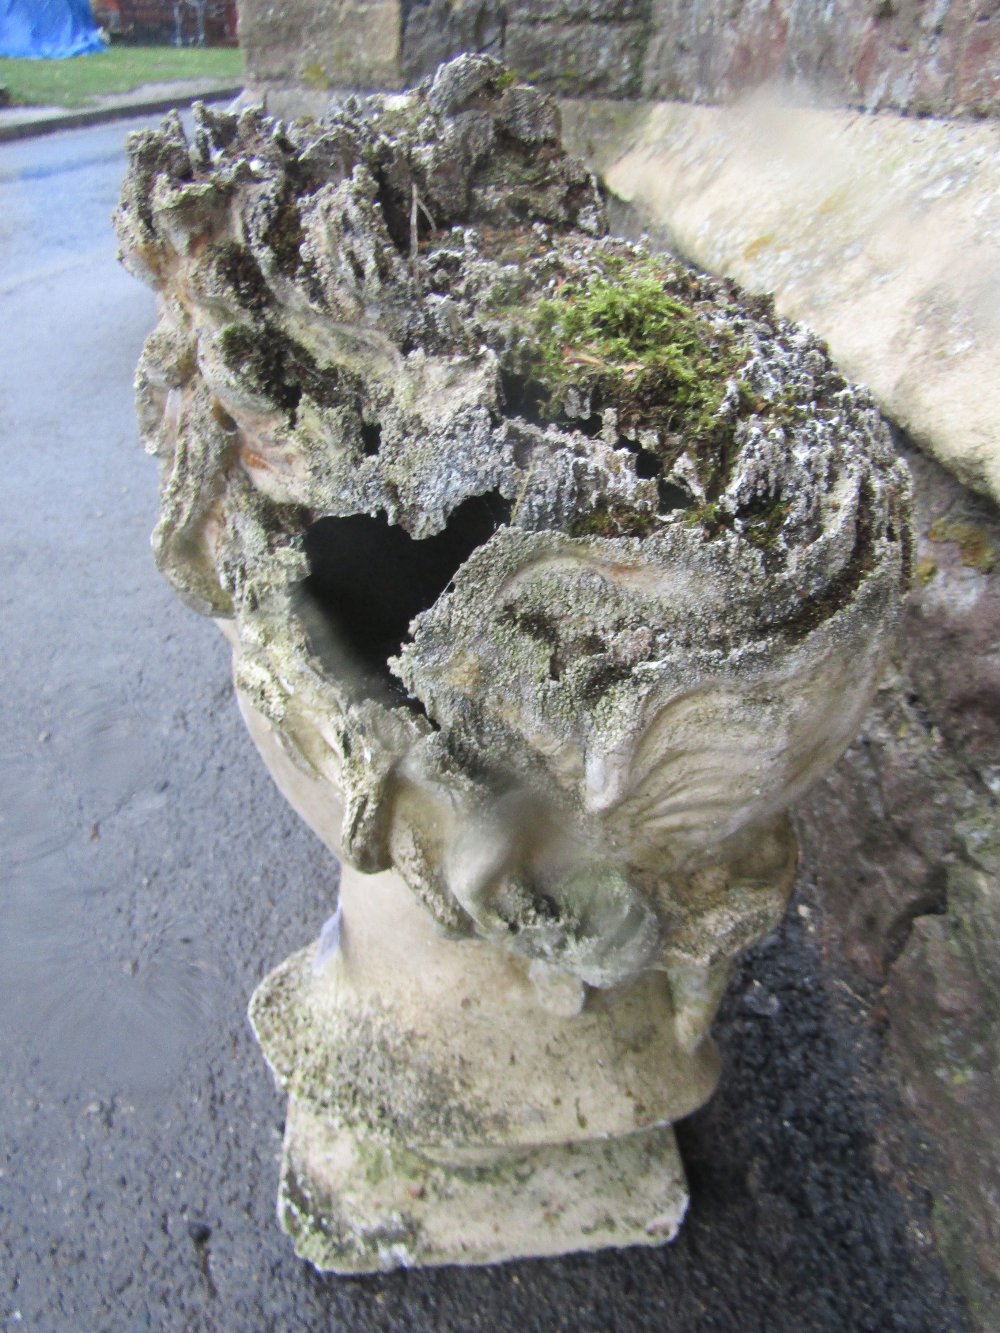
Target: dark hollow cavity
[647, 465]
[371, 438]
[522, 398]
[672, 497]
[527, 398]
[368, 579]
[591, 426]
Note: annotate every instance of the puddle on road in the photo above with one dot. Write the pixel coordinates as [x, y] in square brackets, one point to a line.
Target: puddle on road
[106, 747]
[94, 993]
[27, 831]
[104, 986]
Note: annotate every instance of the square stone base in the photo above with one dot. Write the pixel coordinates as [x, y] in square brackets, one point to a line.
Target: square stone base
[354, 1206]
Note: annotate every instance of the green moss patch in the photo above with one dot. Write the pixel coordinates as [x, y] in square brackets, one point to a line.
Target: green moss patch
[626, 338]
[605, 521]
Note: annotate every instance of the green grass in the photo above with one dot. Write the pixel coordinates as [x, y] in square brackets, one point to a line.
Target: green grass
[76, 82]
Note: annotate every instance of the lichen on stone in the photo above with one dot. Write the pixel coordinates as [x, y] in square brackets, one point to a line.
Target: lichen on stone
[536, 543]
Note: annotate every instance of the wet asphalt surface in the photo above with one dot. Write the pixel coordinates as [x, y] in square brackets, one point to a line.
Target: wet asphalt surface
[151, 875]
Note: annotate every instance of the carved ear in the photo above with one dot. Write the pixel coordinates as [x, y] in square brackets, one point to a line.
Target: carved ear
[697, 771]
[720, 757]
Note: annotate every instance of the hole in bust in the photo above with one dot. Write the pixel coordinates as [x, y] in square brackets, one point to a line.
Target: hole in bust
[590, 426]
[672, 497]
[647, 465]
[371, 438]
[368, 579]
[521, 398]
[525, 398]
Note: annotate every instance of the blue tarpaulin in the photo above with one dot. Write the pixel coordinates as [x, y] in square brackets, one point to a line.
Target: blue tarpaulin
[47, 29]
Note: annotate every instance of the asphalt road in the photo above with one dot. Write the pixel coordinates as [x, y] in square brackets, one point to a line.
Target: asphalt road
[151, 875]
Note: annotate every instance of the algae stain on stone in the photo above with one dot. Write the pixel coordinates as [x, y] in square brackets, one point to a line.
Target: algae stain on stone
[973, 542]
[315, 76]
[925, 571]
[758, 246]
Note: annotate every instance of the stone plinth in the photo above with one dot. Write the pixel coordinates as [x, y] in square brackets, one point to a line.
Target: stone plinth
[440, 1113]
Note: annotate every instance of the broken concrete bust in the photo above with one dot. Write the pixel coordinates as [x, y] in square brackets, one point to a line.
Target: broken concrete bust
[554, 572]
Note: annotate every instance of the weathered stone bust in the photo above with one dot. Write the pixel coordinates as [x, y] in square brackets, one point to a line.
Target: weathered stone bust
[554, 572]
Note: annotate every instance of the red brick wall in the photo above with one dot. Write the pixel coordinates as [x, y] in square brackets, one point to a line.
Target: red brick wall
[156, 21]
[925, 57]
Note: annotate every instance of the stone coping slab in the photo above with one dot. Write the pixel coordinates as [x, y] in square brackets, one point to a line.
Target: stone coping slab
[881, 232]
